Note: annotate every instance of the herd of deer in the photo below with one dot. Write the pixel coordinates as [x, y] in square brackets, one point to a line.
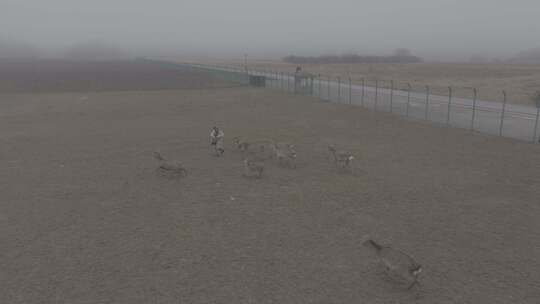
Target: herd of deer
[255, 153]
[397, 265]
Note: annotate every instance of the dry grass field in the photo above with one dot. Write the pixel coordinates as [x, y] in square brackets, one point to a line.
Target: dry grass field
[41, 76]
[520, 81]
[85, 219]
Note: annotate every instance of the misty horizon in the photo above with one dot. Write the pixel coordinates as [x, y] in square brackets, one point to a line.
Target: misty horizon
[433, 30]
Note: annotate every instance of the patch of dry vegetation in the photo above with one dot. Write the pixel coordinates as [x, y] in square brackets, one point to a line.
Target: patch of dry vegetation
[85, 219]
[519, 80]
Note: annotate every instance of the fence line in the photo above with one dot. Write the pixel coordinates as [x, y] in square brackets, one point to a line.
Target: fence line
[496, 118]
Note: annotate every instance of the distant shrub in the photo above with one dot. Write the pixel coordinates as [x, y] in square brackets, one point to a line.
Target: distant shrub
[94, 51]
[531, 56]
[399, 56]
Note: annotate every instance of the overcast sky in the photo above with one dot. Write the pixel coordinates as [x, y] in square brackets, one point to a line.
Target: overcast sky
[431, 28]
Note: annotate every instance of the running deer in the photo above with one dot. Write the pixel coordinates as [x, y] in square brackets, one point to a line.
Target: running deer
[342, 159]
[285, 154]
[253, 168]
[397, 264]
[171, 168]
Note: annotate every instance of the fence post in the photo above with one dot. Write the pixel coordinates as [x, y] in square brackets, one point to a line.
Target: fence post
[475, 92]
[319, 83]
[409, 87]
[449, 106]
[288, 82]
[294, 84]
[426, 115]
[339, 89]
[363, 90]
[350, 91]
[287, 75]
[376, 93]
[501, 125]
[329, 88]
[536, 123]
[391, 95]
[537, 97]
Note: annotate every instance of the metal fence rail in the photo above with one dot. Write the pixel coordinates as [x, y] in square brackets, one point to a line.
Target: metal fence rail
[489, 117]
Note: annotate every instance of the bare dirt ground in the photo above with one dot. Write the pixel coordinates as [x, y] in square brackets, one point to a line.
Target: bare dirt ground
[520, 81]
[85, 219]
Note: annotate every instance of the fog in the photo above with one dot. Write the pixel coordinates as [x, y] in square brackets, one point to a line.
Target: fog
[434, 29]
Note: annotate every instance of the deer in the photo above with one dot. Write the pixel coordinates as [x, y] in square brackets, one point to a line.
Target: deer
[216, 140]
[342, 159]
[258, 148]
[285, 154]
[241, 143]
[253, 168]
[397, 264]
[172, 168]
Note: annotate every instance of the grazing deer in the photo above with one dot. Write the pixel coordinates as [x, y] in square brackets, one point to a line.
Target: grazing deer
[171, 168]
[259, 148]
[342, 159]
[253, 168]
[250, 147]
[216, 140]
[396, 263]
[241, 143]
[285, 154]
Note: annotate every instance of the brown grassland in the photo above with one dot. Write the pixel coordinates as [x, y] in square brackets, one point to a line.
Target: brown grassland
[520, 81]
[84, 218]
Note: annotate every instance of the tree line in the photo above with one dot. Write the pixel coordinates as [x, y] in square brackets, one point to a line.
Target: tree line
[399, 56]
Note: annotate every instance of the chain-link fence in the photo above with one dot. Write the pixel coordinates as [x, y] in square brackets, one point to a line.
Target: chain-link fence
[412, 101]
